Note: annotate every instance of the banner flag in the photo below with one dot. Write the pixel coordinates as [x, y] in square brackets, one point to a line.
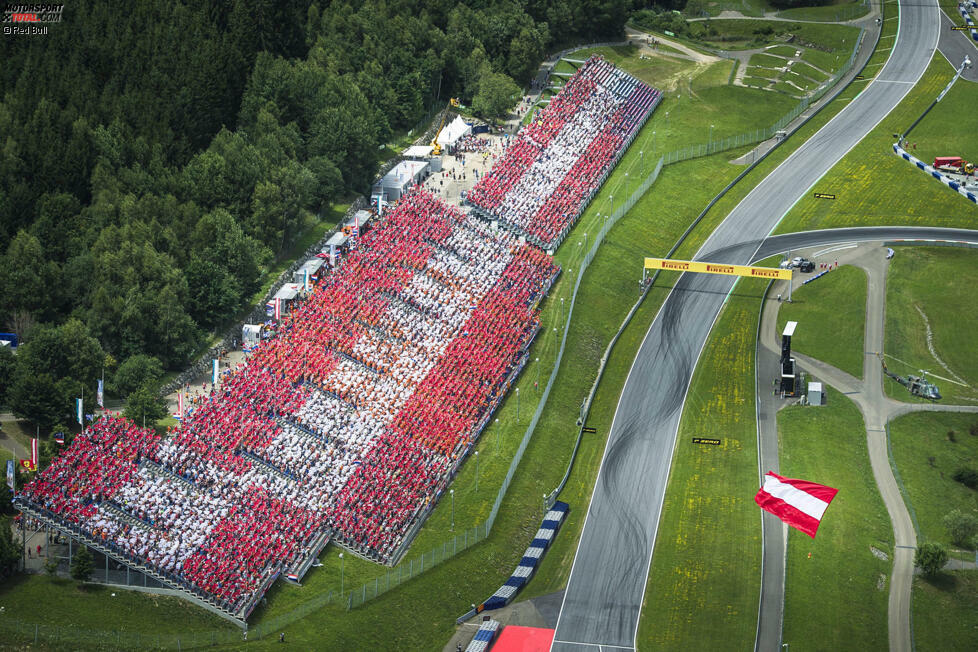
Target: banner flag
[79, 412]
[214, 374]
[798, 503]
[27, 465]
[332, 255]
[305, 280]
[10, 476]
[99, 397]
[278, 308]
[33, 453]
[180, 405]
[59, 437]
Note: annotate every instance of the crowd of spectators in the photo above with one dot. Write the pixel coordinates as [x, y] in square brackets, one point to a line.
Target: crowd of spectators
[349, 421]
[352, 419]
[559, 160]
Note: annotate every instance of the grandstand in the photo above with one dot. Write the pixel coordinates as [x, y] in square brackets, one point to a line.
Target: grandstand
[349, 423]
[558, 162]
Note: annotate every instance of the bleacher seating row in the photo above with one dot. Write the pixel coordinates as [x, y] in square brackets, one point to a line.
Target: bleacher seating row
[557, 162]
[348, 423]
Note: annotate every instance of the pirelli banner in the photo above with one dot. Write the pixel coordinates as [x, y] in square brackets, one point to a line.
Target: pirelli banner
[716, 268]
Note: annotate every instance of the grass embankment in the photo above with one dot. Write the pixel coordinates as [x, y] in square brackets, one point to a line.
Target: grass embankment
[831, 316]
[737, 34]
[875, 187]
[938, 282]
[827, 445]
[941, 133]
[927, 458]
[69, 612]
[704, 582]
[945, 611]
[835, 11]
[784, 73]
[746, 7]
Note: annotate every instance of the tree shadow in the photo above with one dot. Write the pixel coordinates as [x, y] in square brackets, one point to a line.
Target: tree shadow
[945, 582]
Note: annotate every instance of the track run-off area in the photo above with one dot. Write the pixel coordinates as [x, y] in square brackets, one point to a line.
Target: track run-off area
[603, 599]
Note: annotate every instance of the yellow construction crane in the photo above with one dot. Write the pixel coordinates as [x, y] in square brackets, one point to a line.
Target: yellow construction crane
[436, 148]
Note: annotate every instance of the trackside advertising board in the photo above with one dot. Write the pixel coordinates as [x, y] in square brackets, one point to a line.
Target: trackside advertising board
[716, 268]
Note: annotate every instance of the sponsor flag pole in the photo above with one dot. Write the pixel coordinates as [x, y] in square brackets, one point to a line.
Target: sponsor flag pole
[214, 374]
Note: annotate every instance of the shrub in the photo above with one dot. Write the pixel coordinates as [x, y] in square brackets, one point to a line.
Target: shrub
[966, 476]
[962, 527]
[930, 557]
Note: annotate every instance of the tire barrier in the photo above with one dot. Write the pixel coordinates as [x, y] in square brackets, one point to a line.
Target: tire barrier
[929, 169]
[483, 638]
[965, 9]
[528, 564]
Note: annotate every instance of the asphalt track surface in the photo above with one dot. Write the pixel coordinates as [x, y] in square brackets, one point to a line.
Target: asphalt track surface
[604, 595]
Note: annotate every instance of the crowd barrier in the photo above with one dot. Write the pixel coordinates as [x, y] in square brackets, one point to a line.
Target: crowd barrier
[929, 169]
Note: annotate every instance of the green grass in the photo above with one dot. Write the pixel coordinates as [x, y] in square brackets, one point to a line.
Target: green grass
[940, 281]
[839, 10]
[826, 61]
[734, 34]
[764, 73]
[803, 68]
[940, 133]
[68, 611]
[746, 7]
[833, 599]
[950, 7]
[784, 50]
[758, 82]
[945, 612]
[926, 459]
[707, 552]
[767, 60]
[875, 187]
[831, 314]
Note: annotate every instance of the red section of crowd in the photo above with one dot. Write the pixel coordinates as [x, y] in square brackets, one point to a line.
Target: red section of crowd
[96, 465]
[264, 527]
[244, 548]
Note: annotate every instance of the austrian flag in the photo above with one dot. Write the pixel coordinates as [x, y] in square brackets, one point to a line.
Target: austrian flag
[798, 503]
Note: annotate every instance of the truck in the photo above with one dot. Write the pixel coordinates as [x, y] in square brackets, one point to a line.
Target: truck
[954, 164]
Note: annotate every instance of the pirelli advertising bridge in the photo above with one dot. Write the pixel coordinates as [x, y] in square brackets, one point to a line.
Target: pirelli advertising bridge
[717, 268]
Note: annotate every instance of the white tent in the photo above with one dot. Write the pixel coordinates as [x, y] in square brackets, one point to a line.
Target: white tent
[448, 136]
[418, 151]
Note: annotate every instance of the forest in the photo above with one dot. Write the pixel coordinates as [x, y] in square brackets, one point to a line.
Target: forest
[156, 162]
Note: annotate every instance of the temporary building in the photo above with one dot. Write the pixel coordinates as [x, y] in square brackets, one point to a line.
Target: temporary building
[455, 130]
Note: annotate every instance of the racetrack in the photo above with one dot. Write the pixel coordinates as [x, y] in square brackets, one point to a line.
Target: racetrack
[603, 600]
